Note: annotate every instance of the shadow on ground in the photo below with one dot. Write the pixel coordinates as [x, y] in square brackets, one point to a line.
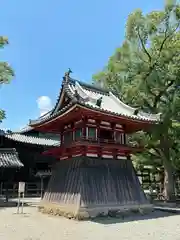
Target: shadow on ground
[101, 220]
[135, 217]
[11, 204]
[14, 203]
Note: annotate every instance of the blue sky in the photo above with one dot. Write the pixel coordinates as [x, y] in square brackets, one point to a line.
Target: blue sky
[47, 37]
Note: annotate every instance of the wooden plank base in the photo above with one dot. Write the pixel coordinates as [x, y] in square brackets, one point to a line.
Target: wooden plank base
[84, 187]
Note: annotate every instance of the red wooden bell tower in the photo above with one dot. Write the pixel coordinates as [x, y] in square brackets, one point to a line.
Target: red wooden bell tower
[93, 174]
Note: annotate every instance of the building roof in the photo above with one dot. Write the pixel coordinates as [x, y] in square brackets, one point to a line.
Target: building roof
[25, 129]
[32, 140]
[9, 158]
[87, 95]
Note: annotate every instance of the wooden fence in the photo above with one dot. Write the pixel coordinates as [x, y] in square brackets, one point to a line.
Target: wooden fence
[32, 189]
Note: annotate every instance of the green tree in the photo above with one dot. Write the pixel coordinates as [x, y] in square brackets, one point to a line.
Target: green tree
[145, 72]
[6, 72]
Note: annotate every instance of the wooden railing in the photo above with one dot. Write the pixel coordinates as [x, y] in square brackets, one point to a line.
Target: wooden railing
[93, 140]
[100, 141]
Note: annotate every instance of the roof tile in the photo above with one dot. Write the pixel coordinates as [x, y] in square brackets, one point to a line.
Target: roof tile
[9, 158]
[32, 140]
[88, 95]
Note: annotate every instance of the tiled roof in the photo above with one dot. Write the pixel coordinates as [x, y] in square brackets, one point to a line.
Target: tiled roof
[32, 140]
[25, 129]
[28, 128]
[110, 103]
[9, 158]
[88, 96]
[55, 114]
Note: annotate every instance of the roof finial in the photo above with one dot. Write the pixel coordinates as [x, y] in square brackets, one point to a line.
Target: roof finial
[67, 74]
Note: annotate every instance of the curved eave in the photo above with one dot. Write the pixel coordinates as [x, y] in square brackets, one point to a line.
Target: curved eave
[46, 114]
[124, 107]
[58, 101]
[33, 123]
[57, 110]
[66, 110]
[114, 114]
[64, 90]
[24, 130]
[70, 110]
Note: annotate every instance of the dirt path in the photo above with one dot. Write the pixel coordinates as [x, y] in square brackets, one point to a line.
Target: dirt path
[36, 226]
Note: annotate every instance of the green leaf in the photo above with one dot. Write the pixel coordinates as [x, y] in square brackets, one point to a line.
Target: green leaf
[6, 72]
[145, 71]
[2, 115]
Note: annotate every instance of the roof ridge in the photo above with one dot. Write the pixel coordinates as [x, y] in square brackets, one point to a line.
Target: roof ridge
[88, 85]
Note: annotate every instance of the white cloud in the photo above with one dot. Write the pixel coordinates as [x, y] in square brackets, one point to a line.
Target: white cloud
[44, 104]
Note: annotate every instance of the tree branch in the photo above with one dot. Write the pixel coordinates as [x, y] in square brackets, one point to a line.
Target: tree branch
[151, 68]
[142, 44]
[166, 37]
[150, 91]
[148, 104]
[159, 153]
[161, 93]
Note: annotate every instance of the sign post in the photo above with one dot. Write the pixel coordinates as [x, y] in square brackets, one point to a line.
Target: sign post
[21, 191]
[42, 186]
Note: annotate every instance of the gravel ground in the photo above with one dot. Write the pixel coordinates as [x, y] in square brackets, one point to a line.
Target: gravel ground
[33, 225]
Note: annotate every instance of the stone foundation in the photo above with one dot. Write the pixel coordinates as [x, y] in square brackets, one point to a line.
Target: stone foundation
[84, 214]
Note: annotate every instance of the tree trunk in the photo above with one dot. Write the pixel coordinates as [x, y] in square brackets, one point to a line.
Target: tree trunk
[169, 191]
[168, 182]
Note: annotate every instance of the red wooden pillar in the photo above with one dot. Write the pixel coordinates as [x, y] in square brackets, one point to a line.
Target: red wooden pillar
[114, 151]
[98, 129]
[61, 136]
[73, 131]
[124, 132]
[84, 135]
[113, 127]
[84, 119]
[99, 153]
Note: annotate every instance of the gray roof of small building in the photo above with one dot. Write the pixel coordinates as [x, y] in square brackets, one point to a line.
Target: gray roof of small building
[9, 158]
[32, 140]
